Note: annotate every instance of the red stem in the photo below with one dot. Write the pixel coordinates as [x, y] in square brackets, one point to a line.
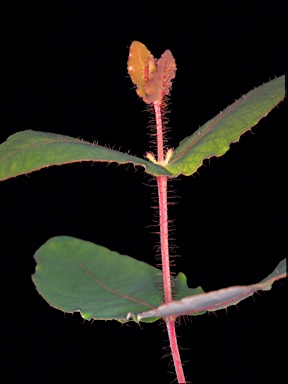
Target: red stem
[170, 324]
[159, 128]
[163, 223]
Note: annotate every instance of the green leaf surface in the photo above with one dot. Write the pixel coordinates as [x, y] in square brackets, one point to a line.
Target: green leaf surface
[215, 300]
[215, 137]
[29, 151]
[78, 276]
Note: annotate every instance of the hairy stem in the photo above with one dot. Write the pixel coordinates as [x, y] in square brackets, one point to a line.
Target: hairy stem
[163, 223]
[170, 324]
[164, 241]
[159, 128]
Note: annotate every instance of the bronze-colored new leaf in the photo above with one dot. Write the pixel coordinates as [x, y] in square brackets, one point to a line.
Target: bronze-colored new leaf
[152, 78]
[141, 64]
[160, 82]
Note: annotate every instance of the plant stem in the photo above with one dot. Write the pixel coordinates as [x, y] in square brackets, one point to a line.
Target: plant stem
[170, 324]
[163, 223]
[164, 241]
[159, 129]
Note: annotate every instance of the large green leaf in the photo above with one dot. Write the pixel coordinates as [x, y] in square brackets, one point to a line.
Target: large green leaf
[215, 300]
[29, 151]
[215, 137]
[76, 275]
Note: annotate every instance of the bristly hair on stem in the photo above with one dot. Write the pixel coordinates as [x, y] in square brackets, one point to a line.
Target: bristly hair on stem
[153, 80]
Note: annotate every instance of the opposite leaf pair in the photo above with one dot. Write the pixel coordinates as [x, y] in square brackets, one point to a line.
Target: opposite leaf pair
[152, 77]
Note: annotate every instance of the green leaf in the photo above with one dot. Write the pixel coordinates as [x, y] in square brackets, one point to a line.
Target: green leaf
[215, 300]
[29, 151]
[215, 137]
[78, 276]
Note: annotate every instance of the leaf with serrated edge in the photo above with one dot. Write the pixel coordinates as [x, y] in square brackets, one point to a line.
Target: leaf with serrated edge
[78, 276]
[215, 137]
[29, 151]
[215, 300]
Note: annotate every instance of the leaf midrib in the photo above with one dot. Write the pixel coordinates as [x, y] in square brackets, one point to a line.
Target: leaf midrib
[221, 116]
[102, 284]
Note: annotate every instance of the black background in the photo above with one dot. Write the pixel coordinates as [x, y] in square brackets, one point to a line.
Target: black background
[65, 71]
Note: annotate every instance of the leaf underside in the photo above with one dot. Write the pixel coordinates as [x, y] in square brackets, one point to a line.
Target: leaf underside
[78, 276]
[215, 300]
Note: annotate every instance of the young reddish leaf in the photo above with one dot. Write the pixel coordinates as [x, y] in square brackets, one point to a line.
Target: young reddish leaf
[160, 82]
[152, 78]
[140, 66]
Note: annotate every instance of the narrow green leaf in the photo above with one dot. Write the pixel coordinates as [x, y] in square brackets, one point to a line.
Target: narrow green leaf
[78, 276]
[215, 300]
[29, 151]
[215, 137]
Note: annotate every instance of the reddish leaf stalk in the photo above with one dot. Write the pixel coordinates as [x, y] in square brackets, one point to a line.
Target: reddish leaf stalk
[163, 223]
